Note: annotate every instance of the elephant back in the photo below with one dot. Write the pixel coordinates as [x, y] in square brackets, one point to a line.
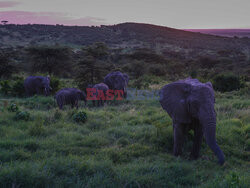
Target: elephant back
[116, 80]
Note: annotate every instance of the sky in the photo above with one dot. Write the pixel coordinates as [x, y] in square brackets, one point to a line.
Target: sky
[181, 14]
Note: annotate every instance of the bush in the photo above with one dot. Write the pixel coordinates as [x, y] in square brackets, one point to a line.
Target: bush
[37, 129]
[18, 88]
[54, 84]
[13, 108]
[80, 117]
[5, 87]
[57, 115]
[226, 82]
[157, 70]
[50, 59]
[6, 68]
[193, 73]
[14, 88]
[207, 62]
[22, 115]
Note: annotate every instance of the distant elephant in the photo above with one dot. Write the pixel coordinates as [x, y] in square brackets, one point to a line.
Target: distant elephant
[37, 85]
[126, 78]
[99, 88]
[117, 81]
[190, 104]
[69, 96]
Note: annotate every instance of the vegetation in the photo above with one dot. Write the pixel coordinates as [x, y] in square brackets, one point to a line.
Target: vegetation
[226, 82]
[92, 65]
[49, 59]
[6, 68]
[124, 145]
[80, 117]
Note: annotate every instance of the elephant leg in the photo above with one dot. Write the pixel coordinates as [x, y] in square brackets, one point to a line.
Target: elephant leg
[37, 91]
[197, 141]
[76, 104]
[178, 138]
[60, 106]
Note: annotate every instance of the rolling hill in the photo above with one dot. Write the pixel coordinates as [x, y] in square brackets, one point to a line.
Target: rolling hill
[128, 36]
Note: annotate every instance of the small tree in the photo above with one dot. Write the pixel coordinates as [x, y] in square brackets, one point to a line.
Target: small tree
[6, 69]
[52, 60]
[4, 22]
[93, 65]
[226, 82]
[206, 62]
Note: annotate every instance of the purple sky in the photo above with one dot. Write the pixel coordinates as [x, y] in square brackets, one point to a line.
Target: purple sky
[172, 13]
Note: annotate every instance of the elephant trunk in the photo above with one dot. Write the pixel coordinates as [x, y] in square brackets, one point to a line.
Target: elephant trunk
[125, 92]
[209, 130]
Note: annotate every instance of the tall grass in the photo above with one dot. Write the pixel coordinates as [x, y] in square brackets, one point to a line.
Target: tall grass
[127, 144]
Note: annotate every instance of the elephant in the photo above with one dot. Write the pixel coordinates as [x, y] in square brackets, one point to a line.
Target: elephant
[190, 104]
[117, 81]
[70, 96]
[126, 78]
[37, 85]
[100, 89]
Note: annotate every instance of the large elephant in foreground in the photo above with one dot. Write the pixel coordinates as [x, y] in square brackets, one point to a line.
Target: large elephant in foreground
[117, 81]
[190, 104]
[69, 96]
[37, 85]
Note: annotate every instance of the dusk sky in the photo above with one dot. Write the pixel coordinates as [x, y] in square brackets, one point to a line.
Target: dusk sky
[182, 14]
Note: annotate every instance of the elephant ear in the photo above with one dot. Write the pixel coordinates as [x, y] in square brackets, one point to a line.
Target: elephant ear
[173, 99]
[108, 81]
[209, 84]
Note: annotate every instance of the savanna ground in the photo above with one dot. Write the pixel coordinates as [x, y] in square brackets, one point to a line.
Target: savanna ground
[127, 144]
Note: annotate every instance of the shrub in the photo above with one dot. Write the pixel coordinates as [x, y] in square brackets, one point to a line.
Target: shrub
[5, 87]
[54, 84]
[22, 115]
[18, 88]
[57, 115]
[80, 117]
[37, 129]
[157, 70]
[13, 108]
[207, 62]
[226, 82]
[6, 68]
[14, 88]
[193, 73]
[52, 59]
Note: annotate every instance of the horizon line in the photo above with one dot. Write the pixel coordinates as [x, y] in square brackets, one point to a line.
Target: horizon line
[66, 25]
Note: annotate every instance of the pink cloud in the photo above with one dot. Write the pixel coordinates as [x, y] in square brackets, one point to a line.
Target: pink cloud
[50, 18]
[7, 4]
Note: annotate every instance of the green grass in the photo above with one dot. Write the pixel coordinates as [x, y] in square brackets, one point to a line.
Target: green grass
[128, 144]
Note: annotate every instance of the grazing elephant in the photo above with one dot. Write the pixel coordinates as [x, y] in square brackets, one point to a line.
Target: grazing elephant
[100, 93]
[69, 96]
[126, 78]
[190, 104]
[117, 81]
[37, 85]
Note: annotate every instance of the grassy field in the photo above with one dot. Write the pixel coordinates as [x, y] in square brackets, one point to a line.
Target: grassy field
[128, 144]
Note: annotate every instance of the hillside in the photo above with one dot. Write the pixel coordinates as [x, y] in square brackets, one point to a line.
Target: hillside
[224, 32]
[125, 35]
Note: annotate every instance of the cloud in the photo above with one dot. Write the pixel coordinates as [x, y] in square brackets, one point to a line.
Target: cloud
[7, 4]
[50, 18]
